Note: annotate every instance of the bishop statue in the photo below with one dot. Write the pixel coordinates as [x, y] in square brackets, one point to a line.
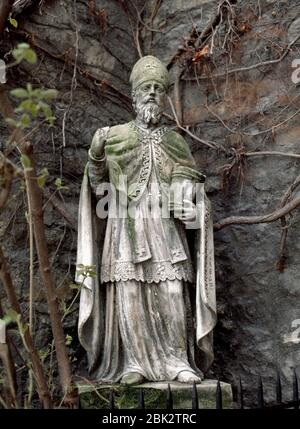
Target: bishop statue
[148, 312]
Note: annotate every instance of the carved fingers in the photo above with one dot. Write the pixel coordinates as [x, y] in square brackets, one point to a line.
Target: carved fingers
[186, 211]
[98, 142]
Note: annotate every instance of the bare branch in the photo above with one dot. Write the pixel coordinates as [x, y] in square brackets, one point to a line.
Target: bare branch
[57, 204]
[5, 9]
[253, 66]
[143, 22]
[272, 153]
[281, 258]
[8, 363]
[256, 133]
[35, 196]
[206, 143]
[37, 367]
[250, 220]
[177, 94]
[7, 174]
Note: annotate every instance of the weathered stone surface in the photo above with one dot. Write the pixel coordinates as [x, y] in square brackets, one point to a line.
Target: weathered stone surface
[258, 306]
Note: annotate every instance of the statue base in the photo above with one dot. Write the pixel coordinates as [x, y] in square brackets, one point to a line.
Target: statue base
[96, 395]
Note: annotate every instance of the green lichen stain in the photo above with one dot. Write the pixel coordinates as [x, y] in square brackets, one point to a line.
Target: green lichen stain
[127, 397]
[124, 398]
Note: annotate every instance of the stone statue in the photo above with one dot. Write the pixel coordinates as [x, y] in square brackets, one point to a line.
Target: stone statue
[150, 309]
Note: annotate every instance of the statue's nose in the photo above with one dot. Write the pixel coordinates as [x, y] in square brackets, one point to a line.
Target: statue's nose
[152, 91]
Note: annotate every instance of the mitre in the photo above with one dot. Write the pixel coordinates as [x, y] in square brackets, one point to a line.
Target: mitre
[149, 68]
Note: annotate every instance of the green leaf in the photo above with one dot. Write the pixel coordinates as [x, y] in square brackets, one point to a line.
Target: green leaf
[34, 109]
[13, 22]
[18, 55]
[46, 109]
[25, 161]
[63, 307]
[20, 51]
[69, 340]
[19, 93]
[25, 120]
[43, 353]
[49, 94]
[41, 180]
[37, 93]
[12, 316]
[45, 171]
[51, 120]
[11, 121]
[28, 106]
[6, 319]
[58, 182]
[23, 46]
[74, 286]
[25, 105]
[86, 270]
[30, 56]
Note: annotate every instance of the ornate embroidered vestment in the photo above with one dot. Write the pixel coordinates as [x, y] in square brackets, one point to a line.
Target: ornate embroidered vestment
[144, 266]
[149, 248]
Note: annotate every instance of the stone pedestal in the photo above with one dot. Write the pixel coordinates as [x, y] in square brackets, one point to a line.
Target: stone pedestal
[155, 395]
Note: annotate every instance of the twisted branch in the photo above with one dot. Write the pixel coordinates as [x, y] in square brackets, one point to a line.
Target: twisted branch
[281, 258]
[250, 220]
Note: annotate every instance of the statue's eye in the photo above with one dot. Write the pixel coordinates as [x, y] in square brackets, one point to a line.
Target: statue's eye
[159, 89]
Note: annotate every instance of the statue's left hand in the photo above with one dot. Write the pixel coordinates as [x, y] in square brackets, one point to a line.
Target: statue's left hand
[98, 144]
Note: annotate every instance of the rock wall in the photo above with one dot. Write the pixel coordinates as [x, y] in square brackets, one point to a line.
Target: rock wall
[234, 97]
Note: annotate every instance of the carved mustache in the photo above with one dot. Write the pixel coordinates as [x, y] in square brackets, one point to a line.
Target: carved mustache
[151, 100]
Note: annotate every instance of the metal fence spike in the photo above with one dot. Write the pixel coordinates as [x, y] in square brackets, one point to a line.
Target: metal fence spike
[295, 391]
[260, 394]
[141, 399]
[195, 405]
[169, 399]
[219, 404]
[111, 400]
[278, 389]
[241, 394]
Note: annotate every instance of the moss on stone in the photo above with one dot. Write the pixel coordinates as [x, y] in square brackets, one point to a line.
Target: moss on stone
[155, 395]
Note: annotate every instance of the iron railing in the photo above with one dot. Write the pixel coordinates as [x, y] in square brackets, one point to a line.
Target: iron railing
[240, 403]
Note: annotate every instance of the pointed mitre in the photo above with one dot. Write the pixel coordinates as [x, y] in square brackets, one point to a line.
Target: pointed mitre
[149, 68]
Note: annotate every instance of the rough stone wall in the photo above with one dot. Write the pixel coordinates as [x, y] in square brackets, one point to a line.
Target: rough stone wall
[97, 46]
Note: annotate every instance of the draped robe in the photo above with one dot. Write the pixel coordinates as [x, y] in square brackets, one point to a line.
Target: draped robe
[151, 299]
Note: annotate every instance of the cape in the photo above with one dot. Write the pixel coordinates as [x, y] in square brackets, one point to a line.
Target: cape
[91, 324]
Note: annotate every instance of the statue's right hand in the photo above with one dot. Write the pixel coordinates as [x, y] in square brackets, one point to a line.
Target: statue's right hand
[98, 143]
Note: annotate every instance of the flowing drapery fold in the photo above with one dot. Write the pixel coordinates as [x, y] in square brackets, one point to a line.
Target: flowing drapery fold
[98, 328]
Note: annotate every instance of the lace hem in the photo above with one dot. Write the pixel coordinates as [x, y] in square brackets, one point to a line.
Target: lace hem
[149, 272]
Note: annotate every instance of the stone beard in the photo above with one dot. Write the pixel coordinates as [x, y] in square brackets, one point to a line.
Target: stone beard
[148, 112]
[138, 315]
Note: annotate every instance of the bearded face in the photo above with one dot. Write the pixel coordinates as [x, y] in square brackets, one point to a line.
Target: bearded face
[149, 112]
[148, 102]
